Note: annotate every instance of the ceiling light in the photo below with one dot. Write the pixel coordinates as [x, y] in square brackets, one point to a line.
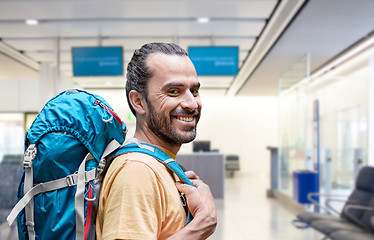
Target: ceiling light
[203, 20]
[354, 54]
[346, 56]
[32, 22]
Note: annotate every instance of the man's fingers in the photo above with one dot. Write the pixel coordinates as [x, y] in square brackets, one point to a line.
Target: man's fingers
[196, 182]
[182, 187]
[191, 175]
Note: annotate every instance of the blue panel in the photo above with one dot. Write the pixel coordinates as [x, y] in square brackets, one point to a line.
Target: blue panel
[213, 61]
[97, 61]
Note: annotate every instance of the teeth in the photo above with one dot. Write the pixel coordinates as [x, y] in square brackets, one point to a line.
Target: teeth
[186, 119]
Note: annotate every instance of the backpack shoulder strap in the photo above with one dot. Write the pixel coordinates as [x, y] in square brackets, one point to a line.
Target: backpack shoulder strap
[134, 145]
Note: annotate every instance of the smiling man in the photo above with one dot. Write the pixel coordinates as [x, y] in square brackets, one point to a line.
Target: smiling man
[140, 197]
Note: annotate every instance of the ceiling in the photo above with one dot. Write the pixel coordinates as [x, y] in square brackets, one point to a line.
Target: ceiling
[271, 35]
[323, 29]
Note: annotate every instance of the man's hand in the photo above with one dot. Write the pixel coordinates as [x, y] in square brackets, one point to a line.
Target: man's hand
[201, 204]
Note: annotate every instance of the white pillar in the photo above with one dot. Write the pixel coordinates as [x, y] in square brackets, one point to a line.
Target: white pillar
[65, 83]
[47, 83]
[57, 66]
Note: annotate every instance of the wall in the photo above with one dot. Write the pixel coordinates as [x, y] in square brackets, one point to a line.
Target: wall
[31, 90]
[17, 95]
[243, 126]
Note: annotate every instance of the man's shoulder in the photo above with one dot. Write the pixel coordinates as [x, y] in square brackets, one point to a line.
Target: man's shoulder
[139, 166]
[140, 158]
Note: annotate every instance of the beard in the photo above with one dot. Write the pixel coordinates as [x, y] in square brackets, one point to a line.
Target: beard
[161, 125]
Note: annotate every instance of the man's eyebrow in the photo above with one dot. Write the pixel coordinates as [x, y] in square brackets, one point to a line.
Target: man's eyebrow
[173, 84]
[176, 84]
[197, 85]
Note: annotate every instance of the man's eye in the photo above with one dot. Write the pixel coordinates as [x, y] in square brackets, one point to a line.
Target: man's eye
[195, 92]
[173, 91]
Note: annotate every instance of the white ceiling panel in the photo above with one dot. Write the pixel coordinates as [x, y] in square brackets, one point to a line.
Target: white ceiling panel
[24, 44]
[42, 57]
[55, 9]
[68, 44]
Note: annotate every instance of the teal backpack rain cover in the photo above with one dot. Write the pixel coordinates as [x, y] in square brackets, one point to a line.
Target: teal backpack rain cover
[64, 152]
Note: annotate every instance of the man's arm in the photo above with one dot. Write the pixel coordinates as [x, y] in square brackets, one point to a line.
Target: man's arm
[201, 205]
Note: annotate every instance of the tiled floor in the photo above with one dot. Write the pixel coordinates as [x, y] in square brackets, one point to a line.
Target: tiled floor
[247, 214]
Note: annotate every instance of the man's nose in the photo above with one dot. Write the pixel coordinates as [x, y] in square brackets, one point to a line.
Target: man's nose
[189, 101]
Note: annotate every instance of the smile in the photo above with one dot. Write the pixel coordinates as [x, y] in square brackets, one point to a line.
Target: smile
[185, 119]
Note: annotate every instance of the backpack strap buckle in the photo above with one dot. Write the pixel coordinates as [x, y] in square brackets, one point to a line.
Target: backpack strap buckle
[71, 179]
[29, 223]
[30, 154]
[101, 166]
[27, 163]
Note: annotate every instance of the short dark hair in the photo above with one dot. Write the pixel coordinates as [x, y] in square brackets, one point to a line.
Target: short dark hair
[138, 70]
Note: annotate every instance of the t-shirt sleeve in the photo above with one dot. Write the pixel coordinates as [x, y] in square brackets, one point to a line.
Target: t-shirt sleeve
[133, 207]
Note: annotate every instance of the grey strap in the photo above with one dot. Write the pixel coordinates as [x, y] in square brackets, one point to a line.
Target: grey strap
[167, 161]
[140, 145]
[68, 181]
[113, 145]
[29, 210]
[79, 199]
[29, 156]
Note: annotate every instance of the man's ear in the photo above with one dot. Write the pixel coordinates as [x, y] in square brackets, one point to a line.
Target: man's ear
[137, 101]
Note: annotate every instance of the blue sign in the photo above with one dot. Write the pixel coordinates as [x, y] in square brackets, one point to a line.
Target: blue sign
[97, 61]
[213, 61]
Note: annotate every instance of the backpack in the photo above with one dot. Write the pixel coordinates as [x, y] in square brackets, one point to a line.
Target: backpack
[66, 150]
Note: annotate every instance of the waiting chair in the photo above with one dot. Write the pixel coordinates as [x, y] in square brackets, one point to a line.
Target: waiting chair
[10, 175]
[232, 164]
[357, 216]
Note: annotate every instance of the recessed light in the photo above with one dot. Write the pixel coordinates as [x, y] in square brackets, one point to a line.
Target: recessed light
[32, 22]
[203, 20]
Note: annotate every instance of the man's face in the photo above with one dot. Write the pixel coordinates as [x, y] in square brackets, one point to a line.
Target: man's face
[173, 98]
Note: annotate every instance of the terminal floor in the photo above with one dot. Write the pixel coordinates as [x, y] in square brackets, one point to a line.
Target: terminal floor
[246, 214]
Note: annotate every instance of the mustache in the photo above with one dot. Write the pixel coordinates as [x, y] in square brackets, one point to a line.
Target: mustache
[195, 112]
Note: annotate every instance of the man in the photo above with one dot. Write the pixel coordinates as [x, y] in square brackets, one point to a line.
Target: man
[139, 197]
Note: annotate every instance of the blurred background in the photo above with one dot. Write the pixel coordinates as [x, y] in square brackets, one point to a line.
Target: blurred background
[286, 86]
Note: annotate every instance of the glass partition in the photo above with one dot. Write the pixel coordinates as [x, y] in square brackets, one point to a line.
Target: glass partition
[344, 127]
[343, 115]
[293, 122]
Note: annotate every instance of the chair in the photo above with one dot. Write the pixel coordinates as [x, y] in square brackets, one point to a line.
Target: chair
[10, 175]
[357, 214]
[232, 164]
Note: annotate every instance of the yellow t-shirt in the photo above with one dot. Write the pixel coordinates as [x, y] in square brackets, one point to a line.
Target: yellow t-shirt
[139, 200]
